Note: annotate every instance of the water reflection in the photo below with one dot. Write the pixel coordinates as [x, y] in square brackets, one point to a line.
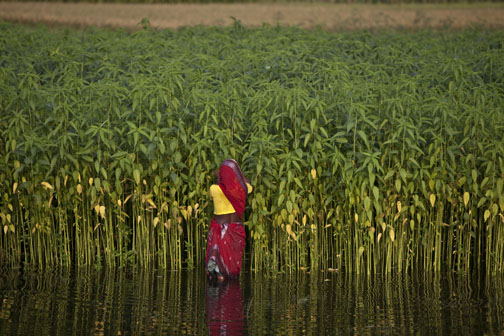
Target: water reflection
[155, 302]
[225, 314]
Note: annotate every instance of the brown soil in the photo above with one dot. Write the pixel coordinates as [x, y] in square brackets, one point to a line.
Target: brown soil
[305, 15]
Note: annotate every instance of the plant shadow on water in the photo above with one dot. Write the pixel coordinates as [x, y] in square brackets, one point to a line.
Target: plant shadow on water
[160, 302]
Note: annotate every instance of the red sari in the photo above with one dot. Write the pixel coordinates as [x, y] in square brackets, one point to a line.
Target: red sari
[226, 242]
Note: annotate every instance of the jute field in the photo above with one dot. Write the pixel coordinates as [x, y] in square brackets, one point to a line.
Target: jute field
[375, 144]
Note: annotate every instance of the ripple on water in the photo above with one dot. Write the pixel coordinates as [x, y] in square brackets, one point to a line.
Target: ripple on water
[128, 302]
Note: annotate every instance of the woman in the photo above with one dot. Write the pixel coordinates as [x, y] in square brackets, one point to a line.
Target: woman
[226, 237]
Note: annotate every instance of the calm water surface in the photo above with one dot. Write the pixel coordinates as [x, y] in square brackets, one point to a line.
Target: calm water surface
[155, 302]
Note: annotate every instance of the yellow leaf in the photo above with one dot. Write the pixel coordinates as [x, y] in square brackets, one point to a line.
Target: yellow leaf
[361, 250]
[79, 189]
[47, 185]
[288, 228]
[356, 218]
[313, 174]
[304, 220]
[486, 215]
[399, 206]
[392, 234]
[139, 219]
[102, 211]
[156, 221]
[164, 207]
[466, 198]
[119, 203]
[432, 200]
[151, 202]
[14, 187]
[168, 224]
[5, 228]
[379, 237]
[10, 207]
[97, 208]
[91, 181]
[127, 198]
[371, 232]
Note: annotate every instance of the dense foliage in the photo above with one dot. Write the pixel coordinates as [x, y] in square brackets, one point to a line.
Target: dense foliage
[368, 152]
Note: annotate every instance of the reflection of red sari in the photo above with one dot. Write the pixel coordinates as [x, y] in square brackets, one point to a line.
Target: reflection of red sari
[225, 314]
[226, 242]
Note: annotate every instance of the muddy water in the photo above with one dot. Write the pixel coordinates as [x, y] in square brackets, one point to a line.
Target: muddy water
[154, 302]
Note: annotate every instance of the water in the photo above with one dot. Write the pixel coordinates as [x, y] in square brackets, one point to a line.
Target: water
[155, 302]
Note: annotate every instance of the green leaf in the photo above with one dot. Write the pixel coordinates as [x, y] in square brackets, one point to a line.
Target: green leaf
[398, 185]
[376, 193]
[367, 203]
[481, 202]
[307, 138]
[136, 176]
[280, 200]
[486, 215]
[298, 182]
[364, 137]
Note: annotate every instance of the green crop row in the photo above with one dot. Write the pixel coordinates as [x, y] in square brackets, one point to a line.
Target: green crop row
[369, 152]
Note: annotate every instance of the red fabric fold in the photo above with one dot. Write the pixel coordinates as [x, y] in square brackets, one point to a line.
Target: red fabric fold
[225, 245]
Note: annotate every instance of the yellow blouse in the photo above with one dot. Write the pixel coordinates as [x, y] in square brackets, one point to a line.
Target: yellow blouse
[222, 205]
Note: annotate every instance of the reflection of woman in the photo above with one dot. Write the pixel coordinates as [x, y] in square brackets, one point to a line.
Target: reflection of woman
[226, 237]
[225, 315]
